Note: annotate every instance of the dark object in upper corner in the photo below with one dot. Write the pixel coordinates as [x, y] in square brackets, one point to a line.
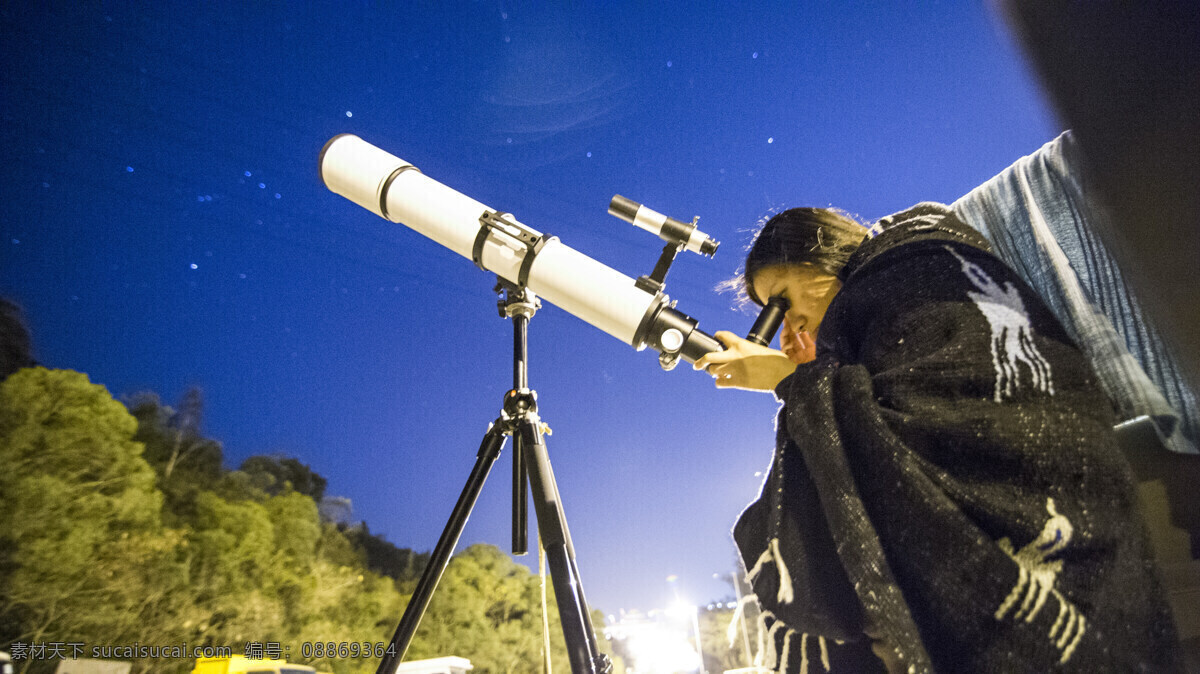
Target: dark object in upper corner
[1126, 79]
[16, 344]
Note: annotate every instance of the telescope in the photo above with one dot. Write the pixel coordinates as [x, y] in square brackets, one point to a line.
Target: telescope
[530, 264]
[636, 312]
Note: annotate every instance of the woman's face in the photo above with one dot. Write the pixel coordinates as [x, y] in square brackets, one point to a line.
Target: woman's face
[808, 290]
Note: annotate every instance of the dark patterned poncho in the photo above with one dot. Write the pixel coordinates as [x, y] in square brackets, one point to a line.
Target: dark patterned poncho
[946, 481]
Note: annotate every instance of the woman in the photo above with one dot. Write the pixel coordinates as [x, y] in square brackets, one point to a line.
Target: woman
[946, 492]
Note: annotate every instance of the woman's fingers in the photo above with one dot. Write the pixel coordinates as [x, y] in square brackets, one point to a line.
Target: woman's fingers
[728, 340]
[744, 364]
[789, 344]
[808, 347]
[726, 375]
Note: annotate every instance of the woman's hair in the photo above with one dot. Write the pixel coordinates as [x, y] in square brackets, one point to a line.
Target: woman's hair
[822, 237]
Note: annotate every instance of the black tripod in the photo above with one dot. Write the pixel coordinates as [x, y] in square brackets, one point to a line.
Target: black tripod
[531, 469]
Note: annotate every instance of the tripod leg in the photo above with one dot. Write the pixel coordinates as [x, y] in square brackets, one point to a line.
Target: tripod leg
[520, 495]
[489, 450]
[582, 650]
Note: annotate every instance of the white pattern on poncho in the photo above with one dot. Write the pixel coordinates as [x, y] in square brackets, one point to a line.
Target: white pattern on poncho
[1012, 333]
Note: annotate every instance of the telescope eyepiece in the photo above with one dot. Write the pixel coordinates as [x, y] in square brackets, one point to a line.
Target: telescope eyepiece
[768, 322]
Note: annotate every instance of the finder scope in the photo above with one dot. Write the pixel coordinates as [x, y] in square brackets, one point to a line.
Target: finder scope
[667, 229]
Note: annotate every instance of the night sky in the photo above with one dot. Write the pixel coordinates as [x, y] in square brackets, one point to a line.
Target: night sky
[164, 226]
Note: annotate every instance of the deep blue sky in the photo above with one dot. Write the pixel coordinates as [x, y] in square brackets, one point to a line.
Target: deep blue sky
[163, 224]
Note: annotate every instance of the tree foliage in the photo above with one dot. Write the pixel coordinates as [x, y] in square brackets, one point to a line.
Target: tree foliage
[120, 525]
[86, 553]
[275, 474]
[184, 461]
[400, 564]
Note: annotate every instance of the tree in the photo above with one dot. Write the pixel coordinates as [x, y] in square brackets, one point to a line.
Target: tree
[87, 557]
[276, 473]
[487, 609]
[268, 570]
[401, 564]
[185, 461]
[342, 602]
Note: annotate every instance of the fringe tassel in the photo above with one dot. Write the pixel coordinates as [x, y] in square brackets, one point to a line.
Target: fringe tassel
[786, 595]
[762, 641]
[765, 557]
[772, 656]
[772, 554]
[732, 631]
[786, 655]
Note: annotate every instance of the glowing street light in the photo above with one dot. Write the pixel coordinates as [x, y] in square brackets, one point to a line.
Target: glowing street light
[682, 609]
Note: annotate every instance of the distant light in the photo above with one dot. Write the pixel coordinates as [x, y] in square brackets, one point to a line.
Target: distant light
[241, 276]
[278, 195]
[661, 648]
[754, 55]
[262, 186]
[246, 173]
[668, 64]
[770, 140]
[507, 39]
[349, 114]
[681, 609]
[129, 169]
[510, 141]
[589, 154]
[194, 265]
[200, 198]
[16, 241]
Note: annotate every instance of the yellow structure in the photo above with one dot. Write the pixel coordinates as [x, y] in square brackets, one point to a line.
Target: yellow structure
[239, 664]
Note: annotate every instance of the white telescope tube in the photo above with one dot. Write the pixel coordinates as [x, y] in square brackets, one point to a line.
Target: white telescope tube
[394, 189]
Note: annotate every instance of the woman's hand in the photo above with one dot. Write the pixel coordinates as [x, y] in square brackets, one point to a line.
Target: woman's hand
[745, 365]
[798, 346]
